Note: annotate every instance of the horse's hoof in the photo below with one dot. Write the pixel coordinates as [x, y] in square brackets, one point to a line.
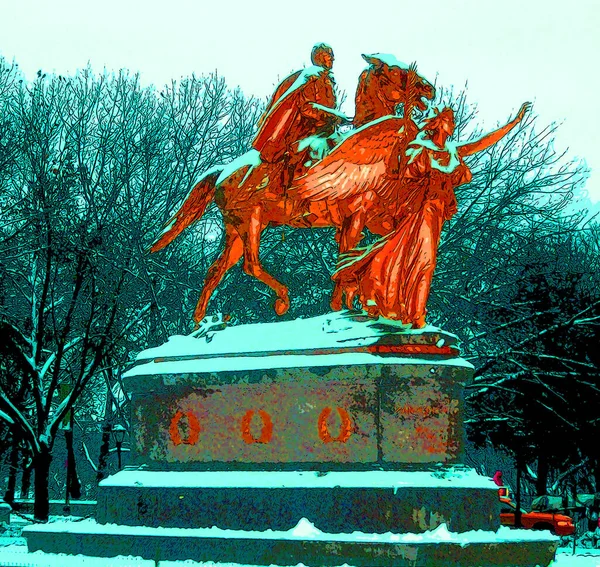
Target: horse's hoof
[281, 306]
[336, 304]
[350, 297]
[198, 319]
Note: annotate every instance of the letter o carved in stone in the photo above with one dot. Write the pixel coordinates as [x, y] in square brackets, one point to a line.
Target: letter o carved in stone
[193, 425]
[345, 428]
[267, 428]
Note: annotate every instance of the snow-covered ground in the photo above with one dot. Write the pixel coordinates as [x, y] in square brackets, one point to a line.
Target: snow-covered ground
[14, 553]
[584, 558]
[17, 556]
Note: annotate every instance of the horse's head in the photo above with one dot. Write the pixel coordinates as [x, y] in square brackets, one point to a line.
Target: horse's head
[386, 83]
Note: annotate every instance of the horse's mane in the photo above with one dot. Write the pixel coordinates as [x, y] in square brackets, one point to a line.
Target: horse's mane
[370, 103]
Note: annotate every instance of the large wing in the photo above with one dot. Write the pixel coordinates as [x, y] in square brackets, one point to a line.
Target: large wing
[355, 166]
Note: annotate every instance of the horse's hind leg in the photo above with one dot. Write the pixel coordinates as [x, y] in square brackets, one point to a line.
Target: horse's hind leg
[251, 232]
[229, 257]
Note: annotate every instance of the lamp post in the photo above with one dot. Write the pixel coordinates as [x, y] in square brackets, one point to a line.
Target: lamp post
[118, 432]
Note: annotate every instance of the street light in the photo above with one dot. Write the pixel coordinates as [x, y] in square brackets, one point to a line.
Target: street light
[118, 432]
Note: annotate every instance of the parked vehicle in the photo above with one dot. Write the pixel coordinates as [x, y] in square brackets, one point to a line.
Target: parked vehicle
[558, 524]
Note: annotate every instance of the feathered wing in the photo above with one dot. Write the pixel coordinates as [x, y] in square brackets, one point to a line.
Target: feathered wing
[357, 165]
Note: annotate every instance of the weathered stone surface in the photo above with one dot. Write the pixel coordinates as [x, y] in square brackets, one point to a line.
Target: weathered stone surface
[335, 390]
[336, 502]
[392, 411]
[284, 548]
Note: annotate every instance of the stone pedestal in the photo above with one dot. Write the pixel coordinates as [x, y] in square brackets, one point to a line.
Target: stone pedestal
[368, 501]
[364, 394]
[340, 412]
[323, 441]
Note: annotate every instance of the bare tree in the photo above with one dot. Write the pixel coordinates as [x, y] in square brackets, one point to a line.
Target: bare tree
[98, 159]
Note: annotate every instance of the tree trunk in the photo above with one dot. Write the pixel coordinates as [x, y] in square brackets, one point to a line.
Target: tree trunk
[41, 465]
[73, 484]
[104, 451]
[9, 496]
[541, 483]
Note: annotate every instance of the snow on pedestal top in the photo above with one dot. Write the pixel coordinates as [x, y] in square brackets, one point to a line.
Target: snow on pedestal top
[305, 530]
[349, 336]
[456, 477]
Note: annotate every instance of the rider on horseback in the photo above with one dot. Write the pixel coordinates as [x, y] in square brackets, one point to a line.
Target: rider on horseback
[297, 109]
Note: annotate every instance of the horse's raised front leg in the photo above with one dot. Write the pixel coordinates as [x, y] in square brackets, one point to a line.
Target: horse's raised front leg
[250, 232]
[233, 251]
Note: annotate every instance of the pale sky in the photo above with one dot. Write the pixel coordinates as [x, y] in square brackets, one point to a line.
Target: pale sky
[544, 51]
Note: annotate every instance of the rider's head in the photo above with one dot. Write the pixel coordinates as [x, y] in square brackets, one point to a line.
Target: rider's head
[322, 55]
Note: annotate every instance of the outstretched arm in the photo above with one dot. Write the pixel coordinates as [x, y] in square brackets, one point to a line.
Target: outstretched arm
[470, 148]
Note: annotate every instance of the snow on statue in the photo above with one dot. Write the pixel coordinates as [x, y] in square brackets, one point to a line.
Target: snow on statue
[252, 193]
[390, 175]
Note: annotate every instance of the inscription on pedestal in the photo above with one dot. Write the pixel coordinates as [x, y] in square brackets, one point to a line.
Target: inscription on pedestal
[364, 414]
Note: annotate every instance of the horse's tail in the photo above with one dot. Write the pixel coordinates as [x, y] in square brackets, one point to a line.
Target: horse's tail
[193, 208]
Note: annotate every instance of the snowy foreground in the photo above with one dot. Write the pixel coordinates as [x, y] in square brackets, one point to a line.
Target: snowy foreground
[17, 556]
[13, 550]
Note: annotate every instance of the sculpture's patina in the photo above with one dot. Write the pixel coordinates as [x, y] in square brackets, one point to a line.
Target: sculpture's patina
[390, 175]
[301, 106]
[248, 207]
[393, 277]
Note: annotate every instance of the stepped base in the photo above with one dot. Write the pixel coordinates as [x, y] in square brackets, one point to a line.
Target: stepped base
[304, 544]
[338, 502]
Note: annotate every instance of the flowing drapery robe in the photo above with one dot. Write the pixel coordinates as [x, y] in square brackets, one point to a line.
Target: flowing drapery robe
[394, 275]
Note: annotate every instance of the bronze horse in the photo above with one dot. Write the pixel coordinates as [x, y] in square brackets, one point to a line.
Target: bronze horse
[367, 156]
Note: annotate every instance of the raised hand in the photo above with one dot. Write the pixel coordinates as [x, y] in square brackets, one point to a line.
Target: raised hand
[525, 107]
[470, 148]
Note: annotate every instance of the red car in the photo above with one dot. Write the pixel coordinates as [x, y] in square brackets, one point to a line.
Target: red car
[558, 524]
